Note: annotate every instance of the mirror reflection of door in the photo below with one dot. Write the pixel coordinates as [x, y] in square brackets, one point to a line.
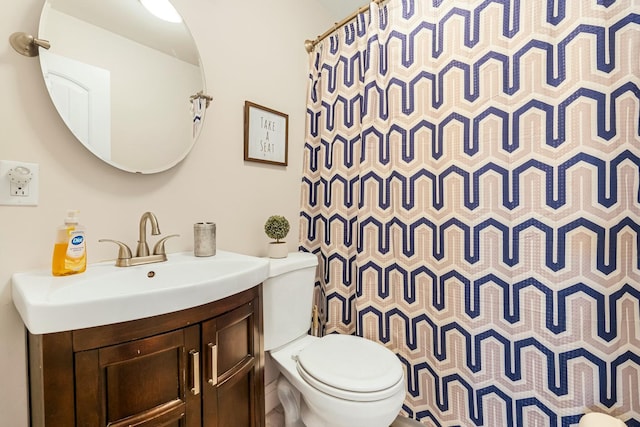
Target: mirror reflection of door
[153, 71]
[81, 93]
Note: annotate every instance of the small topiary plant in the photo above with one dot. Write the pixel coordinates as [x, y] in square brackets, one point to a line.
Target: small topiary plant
[276, 227]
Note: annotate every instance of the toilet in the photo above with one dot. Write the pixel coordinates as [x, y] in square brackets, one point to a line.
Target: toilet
[333, 381]
[596, 419]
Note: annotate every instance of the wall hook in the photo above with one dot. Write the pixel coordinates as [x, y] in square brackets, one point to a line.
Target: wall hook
[25, 44]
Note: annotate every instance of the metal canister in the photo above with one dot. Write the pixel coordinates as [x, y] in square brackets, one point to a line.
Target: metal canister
[204, 239]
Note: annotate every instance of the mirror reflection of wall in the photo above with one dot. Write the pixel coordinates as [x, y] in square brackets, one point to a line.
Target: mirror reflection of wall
[151, 119]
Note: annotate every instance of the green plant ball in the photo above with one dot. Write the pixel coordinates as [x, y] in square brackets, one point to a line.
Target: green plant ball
[276, 227]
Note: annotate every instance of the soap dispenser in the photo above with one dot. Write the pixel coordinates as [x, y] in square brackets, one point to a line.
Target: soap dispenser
[69, 251]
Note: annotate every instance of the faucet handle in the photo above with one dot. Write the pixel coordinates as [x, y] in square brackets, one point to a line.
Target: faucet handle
[158, 249]
[124, 252]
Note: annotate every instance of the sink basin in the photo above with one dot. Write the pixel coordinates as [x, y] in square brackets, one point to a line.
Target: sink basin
[106, 294]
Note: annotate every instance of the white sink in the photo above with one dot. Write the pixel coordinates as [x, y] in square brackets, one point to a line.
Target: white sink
[106, 294]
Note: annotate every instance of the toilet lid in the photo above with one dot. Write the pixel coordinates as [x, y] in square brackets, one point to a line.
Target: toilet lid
[351, 364]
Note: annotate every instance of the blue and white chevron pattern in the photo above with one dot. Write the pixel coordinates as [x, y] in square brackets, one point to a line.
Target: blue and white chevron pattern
[472, 190]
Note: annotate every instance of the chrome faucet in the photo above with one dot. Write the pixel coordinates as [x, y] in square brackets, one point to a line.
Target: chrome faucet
[143, 248]
[125, 259]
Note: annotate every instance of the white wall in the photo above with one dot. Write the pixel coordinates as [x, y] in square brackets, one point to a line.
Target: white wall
[251, 50]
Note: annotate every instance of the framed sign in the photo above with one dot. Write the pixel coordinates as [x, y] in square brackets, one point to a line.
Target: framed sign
[265, 135]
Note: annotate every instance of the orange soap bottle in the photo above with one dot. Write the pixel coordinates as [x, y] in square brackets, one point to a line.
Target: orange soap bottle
[70, 250]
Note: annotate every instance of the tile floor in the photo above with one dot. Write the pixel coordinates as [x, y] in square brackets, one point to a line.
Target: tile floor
[275, 418]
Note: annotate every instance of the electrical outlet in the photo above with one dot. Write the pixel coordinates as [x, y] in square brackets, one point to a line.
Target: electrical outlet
[19, 183]
[19, 190]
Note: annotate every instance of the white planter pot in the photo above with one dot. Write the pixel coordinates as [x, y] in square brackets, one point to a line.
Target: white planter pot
[278, 250]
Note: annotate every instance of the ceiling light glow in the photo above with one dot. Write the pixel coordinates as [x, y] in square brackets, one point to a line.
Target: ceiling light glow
[162, 9]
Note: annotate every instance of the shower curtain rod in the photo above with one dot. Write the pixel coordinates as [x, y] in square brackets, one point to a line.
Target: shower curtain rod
[310, 44]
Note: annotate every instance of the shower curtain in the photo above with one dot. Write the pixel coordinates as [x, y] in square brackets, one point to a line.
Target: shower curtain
[471, 187]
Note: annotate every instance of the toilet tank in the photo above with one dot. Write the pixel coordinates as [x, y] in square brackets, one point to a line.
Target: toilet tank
[287, 298]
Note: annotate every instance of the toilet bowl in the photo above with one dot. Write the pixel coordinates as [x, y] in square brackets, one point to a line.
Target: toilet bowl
[336, 380]
[325, 398]
[595, 419]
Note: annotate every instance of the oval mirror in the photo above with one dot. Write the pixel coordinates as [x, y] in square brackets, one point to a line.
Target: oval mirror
[127, 84]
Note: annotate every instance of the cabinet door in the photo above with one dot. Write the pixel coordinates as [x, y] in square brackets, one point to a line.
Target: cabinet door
[231, 368]
[148, 382]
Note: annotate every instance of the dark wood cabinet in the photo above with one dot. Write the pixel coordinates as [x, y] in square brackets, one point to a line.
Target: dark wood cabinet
[144, 382]
[198, 367]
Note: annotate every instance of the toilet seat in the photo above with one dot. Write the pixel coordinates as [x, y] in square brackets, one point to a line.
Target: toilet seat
[350, 367]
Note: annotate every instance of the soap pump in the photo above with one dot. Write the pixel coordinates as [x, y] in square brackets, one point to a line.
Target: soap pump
[69, 251]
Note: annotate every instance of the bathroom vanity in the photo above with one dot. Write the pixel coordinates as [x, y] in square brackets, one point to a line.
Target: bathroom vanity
[199, 365]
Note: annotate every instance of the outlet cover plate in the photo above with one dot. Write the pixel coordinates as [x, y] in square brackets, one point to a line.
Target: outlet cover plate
[5, 184]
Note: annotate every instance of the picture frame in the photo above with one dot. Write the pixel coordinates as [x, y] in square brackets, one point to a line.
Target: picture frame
[265, 135]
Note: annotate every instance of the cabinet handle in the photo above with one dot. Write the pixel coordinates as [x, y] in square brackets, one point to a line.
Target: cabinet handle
[214, 364]
[195, 361]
